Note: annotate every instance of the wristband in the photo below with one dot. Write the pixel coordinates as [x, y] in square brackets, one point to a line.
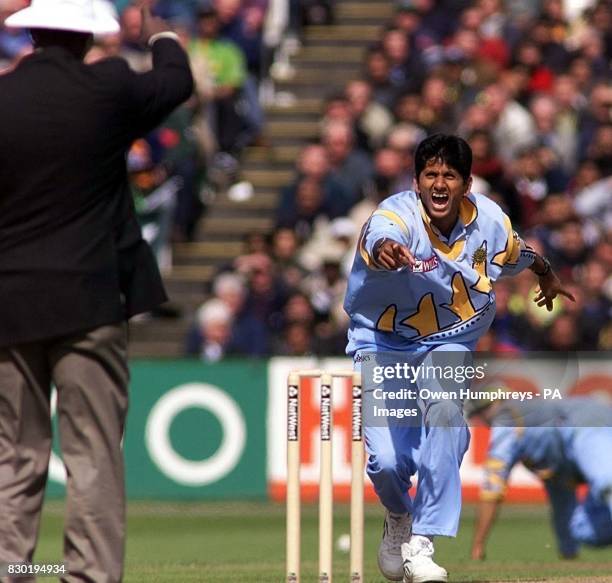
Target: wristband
[164, 34]
[547, 267]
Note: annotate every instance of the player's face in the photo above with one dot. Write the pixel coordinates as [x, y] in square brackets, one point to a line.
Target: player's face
[441, 189]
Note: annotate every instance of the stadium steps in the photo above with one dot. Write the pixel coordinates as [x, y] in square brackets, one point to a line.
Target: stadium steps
[322, 54]
[266, 201]
[360, 12]
[149, 347]
[345, 34]
[329, 57]
[296, 131]
[236, 227]
[272, 156]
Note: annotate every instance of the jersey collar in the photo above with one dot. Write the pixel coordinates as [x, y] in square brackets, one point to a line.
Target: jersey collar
[452, 246]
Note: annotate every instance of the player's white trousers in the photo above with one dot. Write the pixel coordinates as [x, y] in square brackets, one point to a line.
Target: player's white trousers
[433, 448]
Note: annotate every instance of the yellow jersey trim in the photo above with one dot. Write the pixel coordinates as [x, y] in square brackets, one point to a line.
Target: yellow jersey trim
[510, 254]
[393, 216]
[467, 213]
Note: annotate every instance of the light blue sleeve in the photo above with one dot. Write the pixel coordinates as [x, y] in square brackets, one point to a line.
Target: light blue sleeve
[563, 502]
[524, 257]
[385, 223]
[501, 458]
[515, 255]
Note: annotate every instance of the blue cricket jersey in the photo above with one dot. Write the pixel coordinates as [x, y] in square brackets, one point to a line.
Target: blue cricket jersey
[447, 297]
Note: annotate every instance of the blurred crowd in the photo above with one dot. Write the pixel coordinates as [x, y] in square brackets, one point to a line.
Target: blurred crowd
[197, 150]
[527, 83]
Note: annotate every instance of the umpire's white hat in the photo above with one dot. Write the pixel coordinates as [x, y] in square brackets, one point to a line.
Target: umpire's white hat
[94, 16]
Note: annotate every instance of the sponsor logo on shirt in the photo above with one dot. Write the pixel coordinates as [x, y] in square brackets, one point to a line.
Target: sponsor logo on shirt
[424, 265]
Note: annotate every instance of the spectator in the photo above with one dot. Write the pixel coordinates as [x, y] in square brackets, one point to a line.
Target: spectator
[132, 49]
[596, 284]
[549, 33]
[330, 239]
[211, 340]
[390, 174]
[313, 163]
[491, 344]
[437, 115]
[569, 103]
[266, 294]
[511, 329]
[562, 335]
[249, 335]
[326, 287]
[406, 67]
[587, 174]
[371, 119]
[337, 108]
[512, 125]
[408, 19]
[242, 24]
[308, 207]
[407, 110]
[544, 110]
[228, 68]
[285, 246]
[155, 194]
[569, 248]
[594, 201]
[351, 167]
[488, 166]
[378, 74]
[14, 43]
[598, 113]
[297, 340]
[600, 149]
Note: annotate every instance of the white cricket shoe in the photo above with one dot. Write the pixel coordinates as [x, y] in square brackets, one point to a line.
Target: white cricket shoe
[418, 563]
[397, 530]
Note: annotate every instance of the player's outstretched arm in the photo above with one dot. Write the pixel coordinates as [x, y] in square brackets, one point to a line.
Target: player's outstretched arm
[390, 254]
[549, 284]
[485, 519]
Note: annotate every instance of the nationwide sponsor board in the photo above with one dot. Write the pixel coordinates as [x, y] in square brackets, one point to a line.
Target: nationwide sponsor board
[586, 376]
[204, 431]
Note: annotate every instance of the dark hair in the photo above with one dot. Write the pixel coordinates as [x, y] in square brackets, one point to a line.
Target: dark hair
[453, 150]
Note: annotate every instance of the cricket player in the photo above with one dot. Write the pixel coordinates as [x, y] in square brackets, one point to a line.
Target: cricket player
[420, 285]
[565, 444]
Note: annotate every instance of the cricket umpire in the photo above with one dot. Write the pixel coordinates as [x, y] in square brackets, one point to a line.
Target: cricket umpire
[73, 269]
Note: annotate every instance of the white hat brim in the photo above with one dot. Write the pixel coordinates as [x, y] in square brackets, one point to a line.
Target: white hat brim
[33, 17]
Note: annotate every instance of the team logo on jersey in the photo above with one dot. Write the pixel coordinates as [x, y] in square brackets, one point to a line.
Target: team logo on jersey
[424, 265]
[479, 256]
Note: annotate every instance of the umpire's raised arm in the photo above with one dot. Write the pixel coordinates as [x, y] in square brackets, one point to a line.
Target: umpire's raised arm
[153, 95]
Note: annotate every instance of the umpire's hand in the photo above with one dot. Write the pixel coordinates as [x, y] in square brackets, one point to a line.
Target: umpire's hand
[390, 254]
[150, 24]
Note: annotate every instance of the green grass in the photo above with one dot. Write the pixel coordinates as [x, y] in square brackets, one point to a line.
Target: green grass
[244, 542]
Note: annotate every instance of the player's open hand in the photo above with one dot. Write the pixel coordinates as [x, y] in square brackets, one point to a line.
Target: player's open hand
[393, 255]
[549, 288]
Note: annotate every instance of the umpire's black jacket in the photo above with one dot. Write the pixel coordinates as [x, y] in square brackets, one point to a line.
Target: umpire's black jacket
[71, 253]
